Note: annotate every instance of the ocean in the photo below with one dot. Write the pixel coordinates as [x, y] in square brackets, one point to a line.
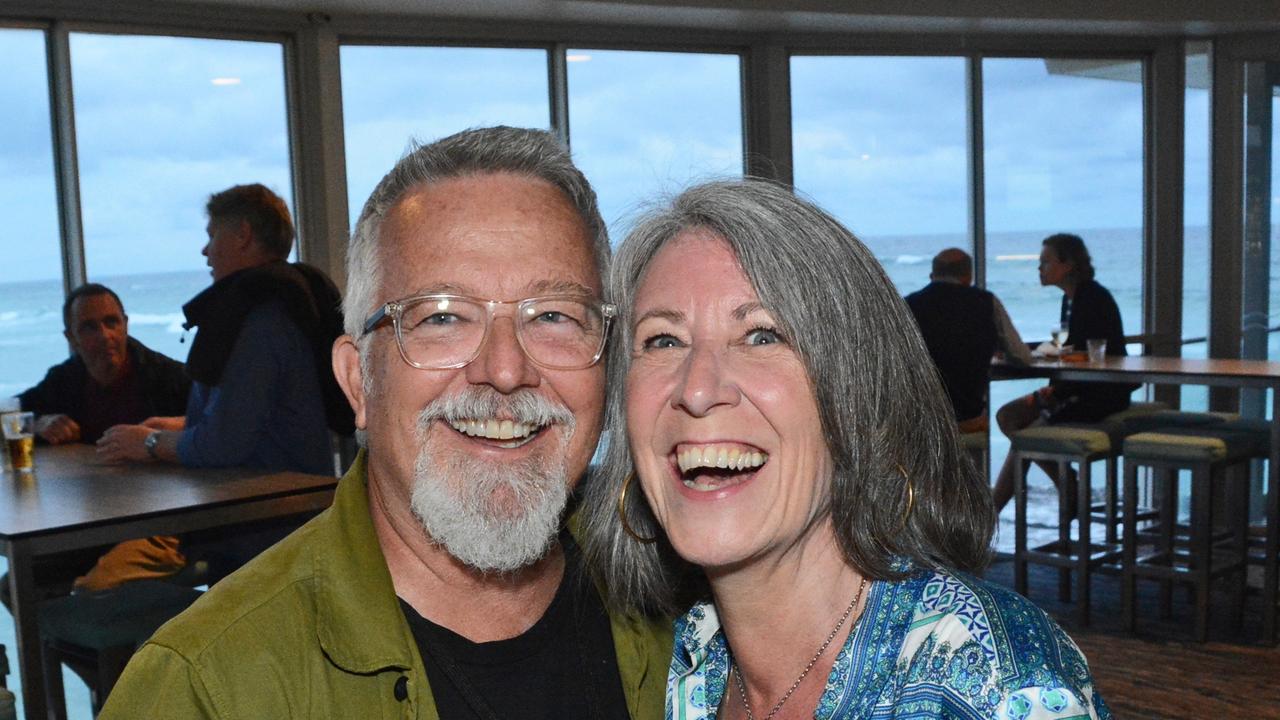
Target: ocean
[31, 328]
[31, 337]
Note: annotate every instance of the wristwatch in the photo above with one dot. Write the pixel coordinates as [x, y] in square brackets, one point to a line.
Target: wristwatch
[151, 442]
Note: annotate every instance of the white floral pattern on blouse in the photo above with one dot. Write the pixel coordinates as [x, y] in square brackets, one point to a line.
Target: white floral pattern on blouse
[935, 645]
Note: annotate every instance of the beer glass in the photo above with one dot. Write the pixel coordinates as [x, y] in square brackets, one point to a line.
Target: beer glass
[20, 439]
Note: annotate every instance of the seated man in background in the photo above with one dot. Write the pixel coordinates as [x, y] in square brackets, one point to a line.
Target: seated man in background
[110, 378]
[262, 388]
[963, 327]
[259, 393]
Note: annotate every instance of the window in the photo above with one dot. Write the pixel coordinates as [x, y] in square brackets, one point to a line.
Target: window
[1063, 153]
[31, 279]
[643, 124]
[162, 123]
[880, 142]
[392, 96]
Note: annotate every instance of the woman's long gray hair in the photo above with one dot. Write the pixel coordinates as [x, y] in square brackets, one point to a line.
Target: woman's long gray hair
[888, 425]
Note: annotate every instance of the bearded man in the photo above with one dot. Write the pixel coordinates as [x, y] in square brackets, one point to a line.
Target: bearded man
[441, 583]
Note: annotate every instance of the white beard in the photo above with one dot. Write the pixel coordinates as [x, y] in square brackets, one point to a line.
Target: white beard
[491, 516]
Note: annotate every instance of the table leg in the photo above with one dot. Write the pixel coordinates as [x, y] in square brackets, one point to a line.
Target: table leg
[22, 592]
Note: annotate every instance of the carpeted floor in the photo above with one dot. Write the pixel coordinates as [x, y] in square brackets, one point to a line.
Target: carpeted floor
[1159, 673]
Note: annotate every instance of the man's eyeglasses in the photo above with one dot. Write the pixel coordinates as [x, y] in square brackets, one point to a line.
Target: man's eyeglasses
[438, 332]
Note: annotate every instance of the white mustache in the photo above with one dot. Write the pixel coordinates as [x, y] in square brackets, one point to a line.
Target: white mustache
[476, 403]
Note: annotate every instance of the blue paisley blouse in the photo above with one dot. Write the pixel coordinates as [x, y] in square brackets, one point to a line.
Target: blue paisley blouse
[935, 645]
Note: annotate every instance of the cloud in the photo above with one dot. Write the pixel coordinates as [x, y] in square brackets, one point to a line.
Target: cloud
[392, 95]
[648, 124]
[882, 142]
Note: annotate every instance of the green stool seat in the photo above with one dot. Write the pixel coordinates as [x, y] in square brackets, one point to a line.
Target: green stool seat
[1144, 422]
[98, 632]
[1258, 430]
[1189, 445]
[1137, 409]
[1063, 439]
[126, 615]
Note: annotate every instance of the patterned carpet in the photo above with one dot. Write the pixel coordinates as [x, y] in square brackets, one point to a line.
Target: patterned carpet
[1159, 673]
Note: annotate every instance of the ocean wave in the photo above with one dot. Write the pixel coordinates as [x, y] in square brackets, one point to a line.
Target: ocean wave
[14, 318]
[911, 259]
[27, 340]
[172, 322]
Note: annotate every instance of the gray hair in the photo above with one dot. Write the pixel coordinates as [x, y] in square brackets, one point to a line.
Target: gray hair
[535, 153]
[887, 422]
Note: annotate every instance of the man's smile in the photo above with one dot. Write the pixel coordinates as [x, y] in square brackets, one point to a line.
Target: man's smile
[517, 433]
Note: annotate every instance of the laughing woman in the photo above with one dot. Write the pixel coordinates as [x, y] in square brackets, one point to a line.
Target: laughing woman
[789, 481]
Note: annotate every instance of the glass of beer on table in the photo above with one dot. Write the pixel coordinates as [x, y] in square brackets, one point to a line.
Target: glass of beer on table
[20, 439]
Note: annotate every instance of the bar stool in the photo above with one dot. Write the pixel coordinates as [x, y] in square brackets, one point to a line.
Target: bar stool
[1063, 445]
[101, 630]
[1155, 417]
[1259, 431]
[1212, 457]
[1138, 416]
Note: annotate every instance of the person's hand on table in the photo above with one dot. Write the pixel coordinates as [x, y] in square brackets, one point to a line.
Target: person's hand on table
[124, 442]
[57, 429]
[171, 424]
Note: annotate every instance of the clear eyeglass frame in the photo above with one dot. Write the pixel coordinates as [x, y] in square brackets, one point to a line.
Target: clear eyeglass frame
[395, 311]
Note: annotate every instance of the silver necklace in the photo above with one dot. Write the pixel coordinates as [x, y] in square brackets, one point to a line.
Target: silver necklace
[742, 686]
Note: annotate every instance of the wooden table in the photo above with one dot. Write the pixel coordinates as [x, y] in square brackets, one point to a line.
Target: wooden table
[76, 501]
[1260, 374]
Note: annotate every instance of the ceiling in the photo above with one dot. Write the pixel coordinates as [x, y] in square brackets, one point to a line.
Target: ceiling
[1092, 17]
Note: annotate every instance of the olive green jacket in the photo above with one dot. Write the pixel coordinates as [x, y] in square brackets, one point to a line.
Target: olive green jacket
[312, 629]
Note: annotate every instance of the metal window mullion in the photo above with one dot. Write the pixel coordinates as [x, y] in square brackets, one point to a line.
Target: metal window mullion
[1226, 162]
[558, 88]
[1164, 166]
[317, 145]
[766, 111]
[66, 163]
[977, 168]
[293, 131]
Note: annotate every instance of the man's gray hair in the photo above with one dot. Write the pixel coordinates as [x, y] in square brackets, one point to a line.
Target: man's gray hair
[884, 414]
[535, 153]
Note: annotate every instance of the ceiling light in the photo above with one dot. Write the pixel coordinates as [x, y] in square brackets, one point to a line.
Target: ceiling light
[582, 57]
[225, 81]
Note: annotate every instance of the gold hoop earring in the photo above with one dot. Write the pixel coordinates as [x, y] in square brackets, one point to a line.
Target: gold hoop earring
[911, 499]
[622, 514]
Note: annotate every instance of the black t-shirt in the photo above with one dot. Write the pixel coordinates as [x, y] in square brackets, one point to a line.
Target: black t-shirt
[562, 667]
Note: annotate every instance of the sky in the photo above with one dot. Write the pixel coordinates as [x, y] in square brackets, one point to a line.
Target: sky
[640, 123]
[155, 137]
[878, 141]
